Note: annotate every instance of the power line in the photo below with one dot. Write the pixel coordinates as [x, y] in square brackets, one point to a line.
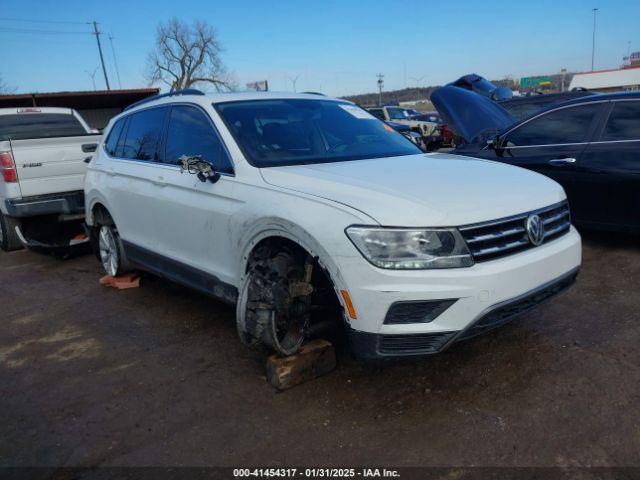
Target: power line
[41, 32]
[115, 62]
[7, 19]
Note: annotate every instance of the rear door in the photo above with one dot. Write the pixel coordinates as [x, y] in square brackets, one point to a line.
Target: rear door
[609, 170]
[134, 175]
[552, 144]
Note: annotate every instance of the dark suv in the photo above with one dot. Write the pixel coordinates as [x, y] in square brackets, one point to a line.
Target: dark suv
[590, 145]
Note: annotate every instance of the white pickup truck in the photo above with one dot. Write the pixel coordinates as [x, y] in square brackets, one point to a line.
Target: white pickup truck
[42, 165]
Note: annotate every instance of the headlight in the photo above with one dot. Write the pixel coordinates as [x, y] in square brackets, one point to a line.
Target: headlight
[411, 249]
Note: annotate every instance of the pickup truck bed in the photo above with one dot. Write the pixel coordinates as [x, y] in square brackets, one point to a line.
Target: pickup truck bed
[41, 187]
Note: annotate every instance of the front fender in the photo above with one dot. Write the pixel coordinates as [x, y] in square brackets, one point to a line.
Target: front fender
[278, 227]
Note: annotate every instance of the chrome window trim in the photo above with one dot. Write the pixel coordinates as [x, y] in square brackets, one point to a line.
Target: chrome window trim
[615, 141]
[547, 145]
[547, 112]
[161, 164]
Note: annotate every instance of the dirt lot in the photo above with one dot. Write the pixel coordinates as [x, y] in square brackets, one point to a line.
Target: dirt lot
[156, 376]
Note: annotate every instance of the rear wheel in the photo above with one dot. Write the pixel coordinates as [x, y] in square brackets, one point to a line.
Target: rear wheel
[274, 305]
[110, 251]
[9, 239]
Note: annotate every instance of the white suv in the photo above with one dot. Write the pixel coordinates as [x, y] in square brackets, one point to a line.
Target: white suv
[302, 209]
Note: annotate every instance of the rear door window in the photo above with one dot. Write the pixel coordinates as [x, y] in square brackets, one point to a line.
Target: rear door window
[143, 134]
[191, 133]
[566, 125]
[39, 125]
[624, 122]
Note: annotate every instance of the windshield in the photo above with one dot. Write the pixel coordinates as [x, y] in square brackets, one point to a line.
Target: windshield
[298, 131]
[397, 113]
[39, 125]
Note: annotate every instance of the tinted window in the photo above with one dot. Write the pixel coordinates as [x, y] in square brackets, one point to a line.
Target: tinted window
[143, 134]
[191, 133]
[39, 125]
[624, 122]
[377, 112]
[114, 134]
[295, 131]
[567, 125]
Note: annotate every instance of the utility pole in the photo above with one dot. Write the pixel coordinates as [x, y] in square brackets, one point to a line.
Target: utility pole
[104, 70]
[115, 62]
[593, 46]
[380, 85]
[563, 72]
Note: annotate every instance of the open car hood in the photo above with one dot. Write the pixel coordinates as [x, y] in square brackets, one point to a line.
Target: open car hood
[469, 114]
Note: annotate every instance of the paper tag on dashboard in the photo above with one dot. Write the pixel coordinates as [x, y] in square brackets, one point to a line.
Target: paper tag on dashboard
[357, 112]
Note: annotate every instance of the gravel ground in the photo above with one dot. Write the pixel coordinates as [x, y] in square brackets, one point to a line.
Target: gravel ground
[156, 376]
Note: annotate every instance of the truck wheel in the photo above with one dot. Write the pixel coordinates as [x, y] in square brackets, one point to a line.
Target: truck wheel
[273, 309]
[111, 252]
[9, 239]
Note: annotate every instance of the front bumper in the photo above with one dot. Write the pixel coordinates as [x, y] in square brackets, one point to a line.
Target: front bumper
[478, 291]
[372, 346]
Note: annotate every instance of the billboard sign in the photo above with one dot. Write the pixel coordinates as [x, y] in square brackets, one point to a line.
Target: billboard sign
[535, 82]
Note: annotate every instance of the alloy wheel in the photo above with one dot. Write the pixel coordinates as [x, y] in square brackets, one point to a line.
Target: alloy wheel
[109, 254]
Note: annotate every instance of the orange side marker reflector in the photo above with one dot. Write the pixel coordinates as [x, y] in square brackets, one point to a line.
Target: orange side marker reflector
[388, 128]
[347, 303]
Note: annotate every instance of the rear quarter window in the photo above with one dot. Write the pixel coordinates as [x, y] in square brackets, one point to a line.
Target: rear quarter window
[23, 126]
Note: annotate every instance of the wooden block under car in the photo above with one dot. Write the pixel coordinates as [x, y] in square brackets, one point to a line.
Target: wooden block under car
[314, 359]
[121, 282]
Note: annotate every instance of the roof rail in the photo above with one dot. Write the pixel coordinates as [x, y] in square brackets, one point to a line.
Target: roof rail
[314, 93]
[185, 91]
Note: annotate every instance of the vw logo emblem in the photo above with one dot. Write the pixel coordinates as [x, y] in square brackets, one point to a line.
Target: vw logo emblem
[535, 229]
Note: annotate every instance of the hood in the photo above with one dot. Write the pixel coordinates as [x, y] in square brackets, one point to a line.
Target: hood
[469, 114]
[422, 190]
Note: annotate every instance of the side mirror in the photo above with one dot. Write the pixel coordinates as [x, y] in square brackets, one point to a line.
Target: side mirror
[195, 165]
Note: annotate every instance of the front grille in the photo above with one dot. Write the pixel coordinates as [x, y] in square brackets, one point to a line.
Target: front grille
[499, 238]
[508, 312]
[413, 344]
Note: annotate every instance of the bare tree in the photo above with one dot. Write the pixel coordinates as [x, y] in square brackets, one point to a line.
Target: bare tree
[186, 55]
[4, 88]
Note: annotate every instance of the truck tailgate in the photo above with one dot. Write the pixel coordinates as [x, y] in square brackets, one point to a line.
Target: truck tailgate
[51, 165]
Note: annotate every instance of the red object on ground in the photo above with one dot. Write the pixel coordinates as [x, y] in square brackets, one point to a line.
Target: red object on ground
[121, 282]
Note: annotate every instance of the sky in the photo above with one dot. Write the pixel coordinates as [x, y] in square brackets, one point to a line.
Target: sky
[336, 47]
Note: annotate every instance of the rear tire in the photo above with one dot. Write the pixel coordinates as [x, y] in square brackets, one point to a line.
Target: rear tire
[9, 239]
[111, 252]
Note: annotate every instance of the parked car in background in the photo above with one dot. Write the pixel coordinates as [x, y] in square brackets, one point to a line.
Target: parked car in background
[526, 105]
[446, 134]
[590, 145]
[428, 130]
[482, 86]
[301, 209]
[42, 161]
[409, 134]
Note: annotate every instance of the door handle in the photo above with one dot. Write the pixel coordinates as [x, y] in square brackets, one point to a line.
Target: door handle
[562, 161]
